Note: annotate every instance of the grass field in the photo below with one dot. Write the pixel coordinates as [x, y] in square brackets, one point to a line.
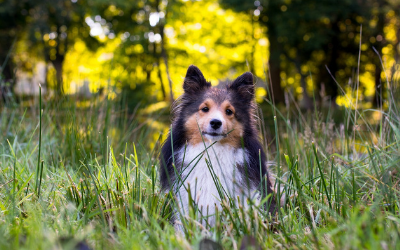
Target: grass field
[84, 174]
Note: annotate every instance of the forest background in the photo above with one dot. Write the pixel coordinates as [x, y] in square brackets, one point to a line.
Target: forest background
[306, 49]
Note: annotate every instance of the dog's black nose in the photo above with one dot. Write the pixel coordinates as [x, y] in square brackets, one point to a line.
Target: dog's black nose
[215, 123]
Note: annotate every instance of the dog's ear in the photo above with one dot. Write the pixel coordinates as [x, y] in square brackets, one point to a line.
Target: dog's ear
[243, 86]
[194, 81]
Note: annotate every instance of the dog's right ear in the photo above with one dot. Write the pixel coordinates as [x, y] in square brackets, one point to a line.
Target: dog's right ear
[194, 81]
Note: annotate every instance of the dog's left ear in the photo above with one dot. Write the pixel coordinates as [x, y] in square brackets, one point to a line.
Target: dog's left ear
[194, 81]
[244, 86]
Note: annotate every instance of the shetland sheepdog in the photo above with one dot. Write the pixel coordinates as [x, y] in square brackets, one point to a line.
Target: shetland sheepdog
[213, 150]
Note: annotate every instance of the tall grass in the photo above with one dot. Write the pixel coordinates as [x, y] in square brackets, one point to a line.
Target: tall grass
[86, 172]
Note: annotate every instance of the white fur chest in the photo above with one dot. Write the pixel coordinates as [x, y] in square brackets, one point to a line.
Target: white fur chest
[217, 164]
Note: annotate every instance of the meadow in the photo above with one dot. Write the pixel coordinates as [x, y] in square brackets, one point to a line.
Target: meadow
[79, 161]
[83, 174]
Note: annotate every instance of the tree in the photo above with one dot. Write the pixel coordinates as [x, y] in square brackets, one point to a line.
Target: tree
[309, 29]
[267, 16]
[141, 26]
[314, 35]
[382, 13]
[13, 14]
[54, 26]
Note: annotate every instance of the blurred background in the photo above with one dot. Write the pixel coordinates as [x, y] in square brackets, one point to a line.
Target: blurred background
[330, 51]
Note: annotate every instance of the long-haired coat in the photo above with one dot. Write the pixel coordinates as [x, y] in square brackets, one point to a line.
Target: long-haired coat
[213, 149]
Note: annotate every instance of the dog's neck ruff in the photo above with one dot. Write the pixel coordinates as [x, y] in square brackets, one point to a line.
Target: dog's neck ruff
[203, 165]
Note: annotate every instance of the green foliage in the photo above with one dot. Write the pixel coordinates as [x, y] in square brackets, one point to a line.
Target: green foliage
[13, 17]
[322, 39]
[53, 27]
[155, 41]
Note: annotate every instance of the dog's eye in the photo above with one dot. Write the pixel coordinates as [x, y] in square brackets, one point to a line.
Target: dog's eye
[229, 112]
[205, 109]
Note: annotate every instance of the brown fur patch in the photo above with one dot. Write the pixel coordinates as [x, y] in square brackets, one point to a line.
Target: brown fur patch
[201, 119]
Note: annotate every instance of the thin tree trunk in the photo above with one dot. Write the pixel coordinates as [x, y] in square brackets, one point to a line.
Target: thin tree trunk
[251, 63]
[275, 71]
[58, 66]
[148, 74]
[7, 45]
[161, 80]
[325, 78]
[396, 51]
[377, 101]
[164, 52]
[379, 87]
[7, 76]
[169, 77]
[156, 57]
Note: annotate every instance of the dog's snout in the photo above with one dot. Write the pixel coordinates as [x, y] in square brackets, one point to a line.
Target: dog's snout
[215, 123]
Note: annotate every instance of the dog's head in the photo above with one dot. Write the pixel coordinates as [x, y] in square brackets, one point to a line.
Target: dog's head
[216, 114]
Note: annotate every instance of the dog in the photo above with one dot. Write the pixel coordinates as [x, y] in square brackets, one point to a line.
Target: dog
[213, 150]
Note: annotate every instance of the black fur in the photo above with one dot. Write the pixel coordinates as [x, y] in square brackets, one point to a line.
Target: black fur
[241, 94]
[194, 81]
[194, 86]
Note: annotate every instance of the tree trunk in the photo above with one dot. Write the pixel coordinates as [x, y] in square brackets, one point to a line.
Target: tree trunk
[396, 52]
[274, 68]
[253, 45]
[377, 101]
[379, 87]
[325, 78]
[59, 60]
[161, 80]
[164, 55]
[7, 76]
[7, 71]
[58, 66]
[164, 51]
[331, 87]
[7, 42]
[148, 74]
[156, 57]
